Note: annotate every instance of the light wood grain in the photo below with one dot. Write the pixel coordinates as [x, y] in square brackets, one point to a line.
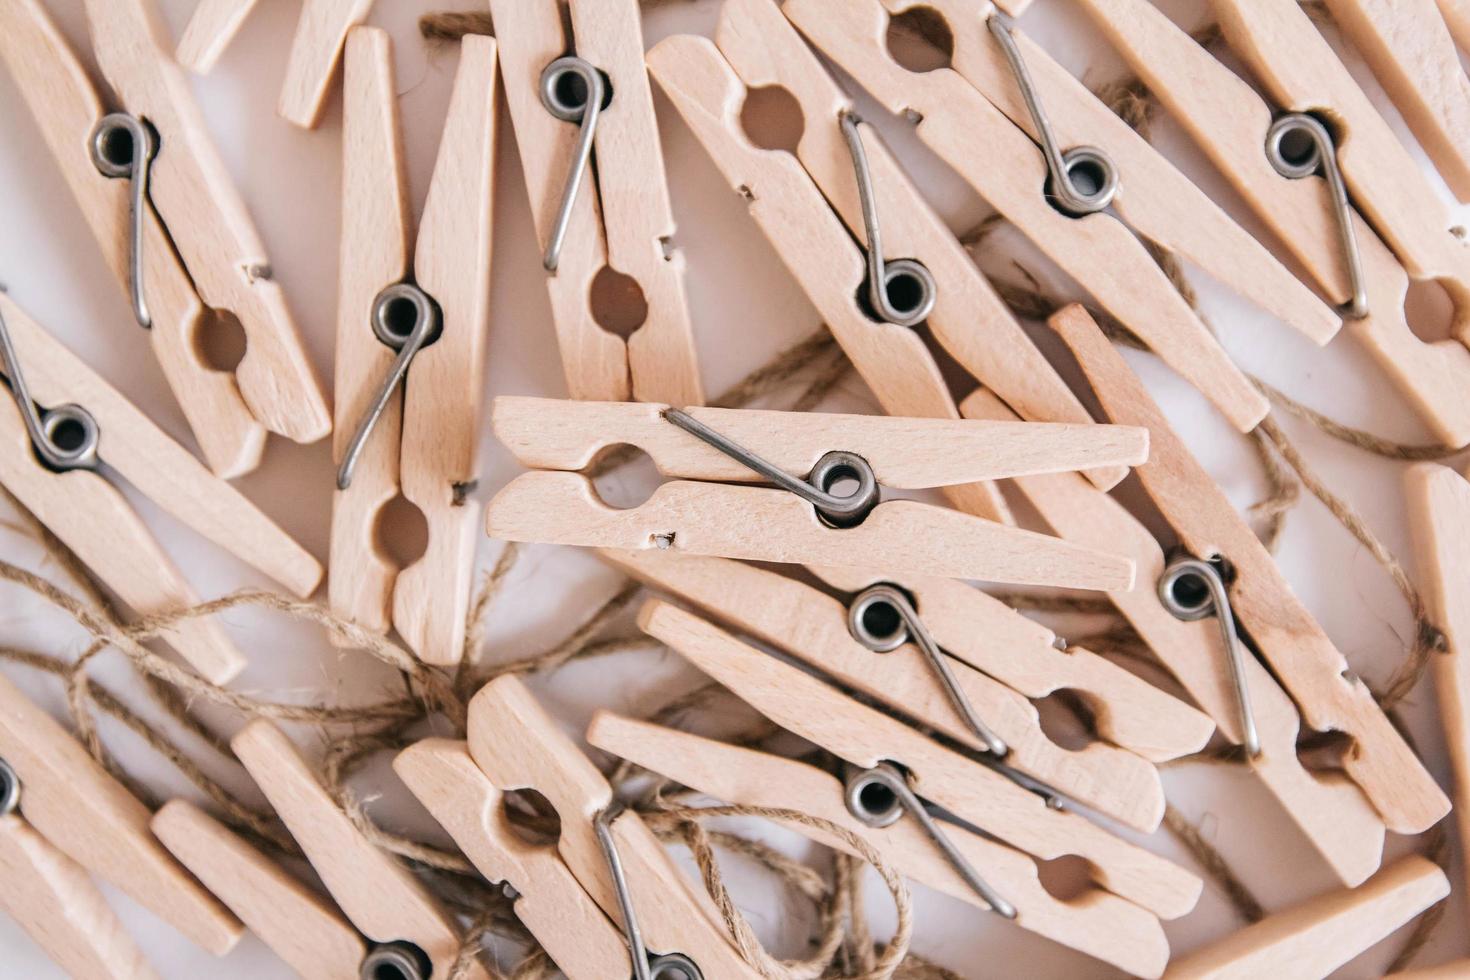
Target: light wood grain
[1456, 14]
[1313, 939]
[905, 453]
[1229, 122]
[87, 815]
[550, 903]
[519, 746]
[1002, 164]
[1453, 970]
[206, 218]
[1438, 501]
[1097, 922]
[381, 897]
[1302, 656]
[1331, 811]
[54, 900]
[316, 50]
[761, 524]
[65, 106]
[296, 923]
[211, 28]
[812, 627]
[864, 737]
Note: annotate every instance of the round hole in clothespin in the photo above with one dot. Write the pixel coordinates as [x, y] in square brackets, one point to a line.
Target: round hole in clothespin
[402, 310]
[72, 437]
[871, 798]
[9, 788]
[114, 143]
[910, 289]
[398, 960]
[566, 84]
[1295, 143]
[1184, 589]
[673, 966]
[849, 478]
[876, 622]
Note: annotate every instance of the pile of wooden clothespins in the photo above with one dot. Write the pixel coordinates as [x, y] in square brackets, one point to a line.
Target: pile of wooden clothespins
[849, 579]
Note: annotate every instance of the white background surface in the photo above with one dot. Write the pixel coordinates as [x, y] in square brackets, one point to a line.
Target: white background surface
[745, 308]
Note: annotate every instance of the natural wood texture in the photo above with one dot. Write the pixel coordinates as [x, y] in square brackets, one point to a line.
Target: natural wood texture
[1454, 970]
[210, 30]
[864, 737]
[1456, 14]
[969, 319]
[905, 453]
[519, 746]
[426, 440]
[298, 925]
[1097, 923]
[812, 627]
[206, 218]
[65, 106]
[622, 219]
[550, 903]
[86, 814]
[381, 897]
[1329, 696]
[1438, 502]
[53, 899]
[1313, 939]
[1333, 813]
[316, 50]
[1002, 164]
[1413, 56]
[1229, 121]
[763, 524]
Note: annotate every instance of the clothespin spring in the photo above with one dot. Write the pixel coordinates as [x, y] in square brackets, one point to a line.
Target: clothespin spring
[573, 90]
[666, 966]
[65, 437]
[395, 959]
[879, 796]
[9, 789]
[124, 145]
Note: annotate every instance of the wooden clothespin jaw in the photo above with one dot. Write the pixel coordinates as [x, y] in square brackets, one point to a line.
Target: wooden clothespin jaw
[808, 456]
[918, 645]
[1099, 923]
[1188, 640]
[1307, 200]
[978, 113]
[606, 231]
[60, 422]
[406, 924]
[316, 49]
[868, 739]
[1315, 938]
[62, 816]
[609, 850]
[412, 328]
[1329, 696]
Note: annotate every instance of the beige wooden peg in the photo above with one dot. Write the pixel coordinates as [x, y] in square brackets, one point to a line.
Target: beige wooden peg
[1313, 939]
[207, 221]
[1329, 696]
[381, 897]
[71, 801]
[1097, 923]
[424, 443]
[316, 51]
[1456, 14]
[1331, 811]
[813, 627]
[1454, 970]
[298, 925]
[548, 900]
[519, 746]
[864, 737]
[210, 29]
[621, 222]
[559, 507]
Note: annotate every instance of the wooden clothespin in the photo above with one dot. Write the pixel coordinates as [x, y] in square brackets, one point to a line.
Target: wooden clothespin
[980, 116]
[1313, 939]
[62, 817]
[1098, 923]
[1439, 517]
[969, 632]
[1187, 638]
[808, 456]
[1456, 14]
[1453, 970]
[408, 927]
[1314, 218]
[298, 925]
[415, 319]
[1329, 696]
[610, 851]
[59, 421]
[610, 221]
[316, 48]
[863, 737]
